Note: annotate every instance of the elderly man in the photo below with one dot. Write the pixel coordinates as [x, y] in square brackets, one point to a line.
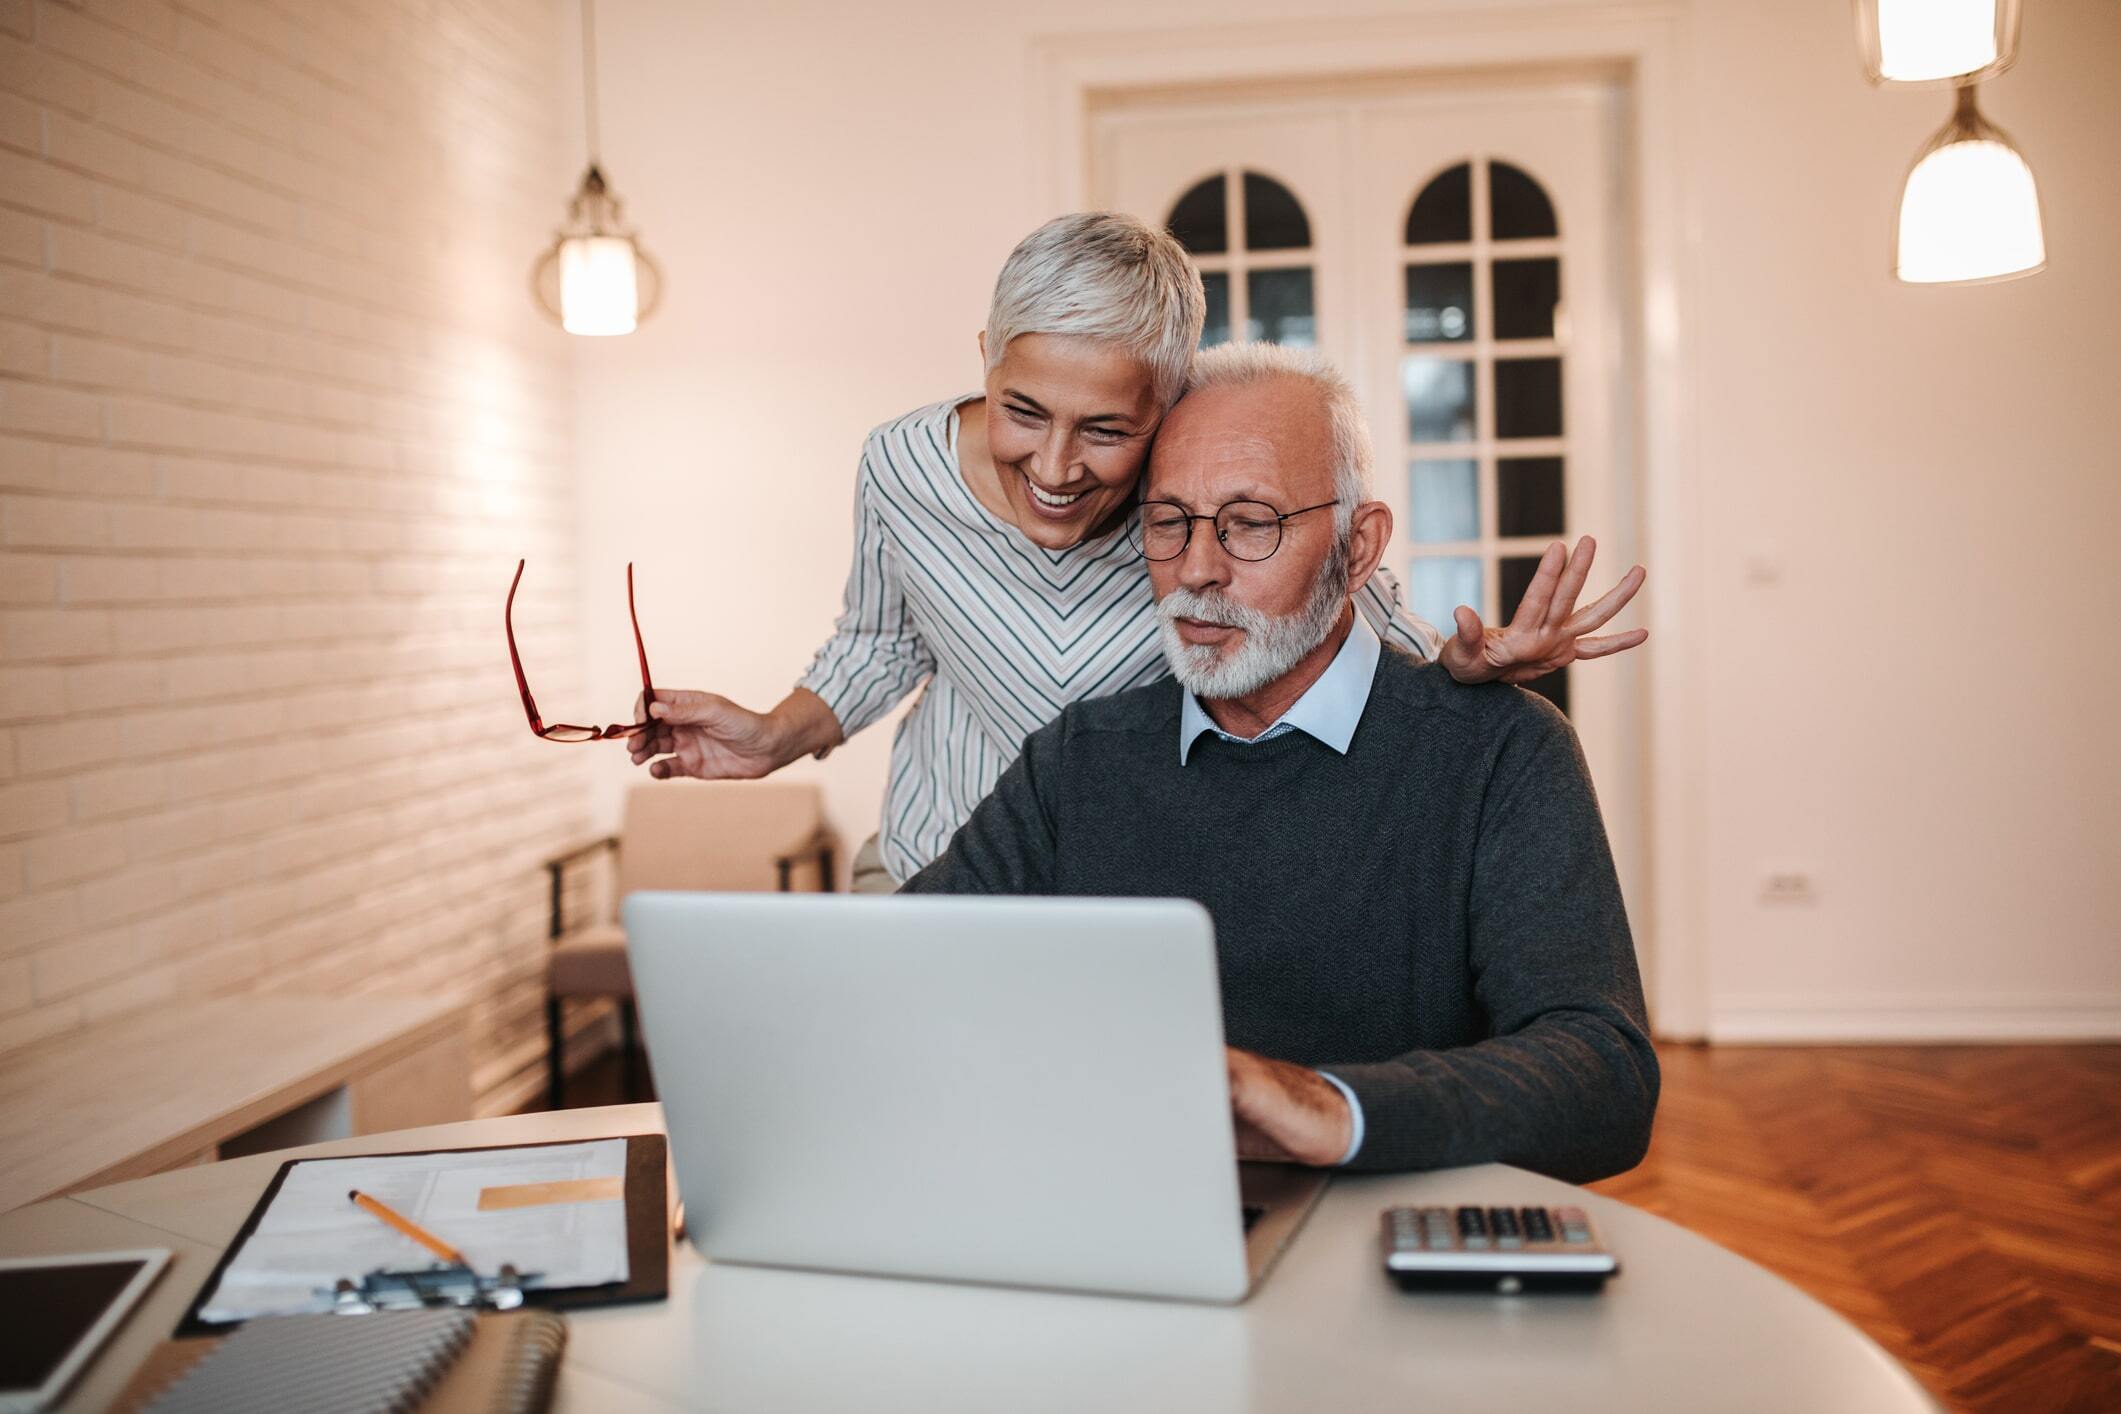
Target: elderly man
[1423, 953]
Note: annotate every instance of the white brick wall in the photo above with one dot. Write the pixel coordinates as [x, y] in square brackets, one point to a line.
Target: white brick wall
[276, 419]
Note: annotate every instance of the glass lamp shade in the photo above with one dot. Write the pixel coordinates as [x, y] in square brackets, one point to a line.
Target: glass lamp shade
[598, 291]
[1936, 41]
[595, 279]
[1970, 212]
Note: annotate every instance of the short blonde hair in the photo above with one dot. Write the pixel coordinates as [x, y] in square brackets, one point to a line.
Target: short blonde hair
[1103, 275]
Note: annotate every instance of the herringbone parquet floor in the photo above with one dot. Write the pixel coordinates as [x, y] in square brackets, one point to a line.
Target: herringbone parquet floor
[1962, 1204]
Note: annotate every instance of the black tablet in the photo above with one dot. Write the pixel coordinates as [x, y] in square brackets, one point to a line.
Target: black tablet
[57, 1311]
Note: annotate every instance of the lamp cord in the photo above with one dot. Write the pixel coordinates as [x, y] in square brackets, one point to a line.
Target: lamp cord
[589, 76]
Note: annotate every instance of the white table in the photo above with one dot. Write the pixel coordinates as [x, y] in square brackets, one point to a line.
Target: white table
[1687, 1326]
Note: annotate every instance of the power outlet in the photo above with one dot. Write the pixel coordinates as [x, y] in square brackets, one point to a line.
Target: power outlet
[1787, 886]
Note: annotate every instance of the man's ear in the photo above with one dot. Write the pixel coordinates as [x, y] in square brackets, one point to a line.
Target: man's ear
[1368, 535]
[983, 348]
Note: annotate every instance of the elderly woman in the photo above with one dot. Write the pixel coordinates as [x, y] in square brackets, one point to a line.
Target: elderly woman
[992, 561]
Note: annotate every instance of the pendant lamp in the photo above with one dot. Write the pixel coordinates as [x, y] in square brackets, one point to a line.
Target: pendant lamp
[1936, 41]
[1970, 212]
[595, 278]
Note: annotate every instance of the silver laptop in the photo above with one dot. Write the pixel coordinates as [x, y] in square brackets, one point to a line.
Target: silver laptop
[1024, 1091]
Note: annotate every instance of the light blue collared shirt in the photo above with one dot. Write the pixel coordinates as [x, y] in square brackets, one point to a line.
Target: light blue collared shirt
[1329, 710]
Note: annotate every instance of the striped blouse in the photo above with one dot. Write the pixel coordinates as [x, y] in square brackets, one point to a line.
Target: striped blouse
[1004, 632]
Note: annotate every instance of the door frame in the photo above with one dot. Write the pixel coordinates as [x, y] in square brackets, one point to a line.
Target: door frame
[1643, 43]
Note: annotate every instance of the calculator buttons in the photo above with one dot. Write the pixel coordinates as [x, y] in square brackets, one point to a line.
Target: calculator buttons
[1495, 1249]
[1575, 1227]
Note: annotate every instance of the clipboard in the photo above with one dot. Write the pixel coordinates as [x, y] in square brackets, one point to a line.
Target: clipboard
[647, 1199]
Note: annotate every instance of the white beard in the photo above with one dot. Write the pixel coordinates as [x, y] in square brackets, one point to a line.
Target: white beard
[1270, 646]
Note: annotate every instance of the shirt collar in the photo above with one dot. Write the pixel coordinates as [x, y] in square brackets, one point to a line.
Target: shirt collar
[1329, 710]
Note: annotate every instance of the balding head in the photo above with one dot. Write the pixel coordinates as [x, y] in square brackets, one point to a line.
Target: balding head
[1300, 396]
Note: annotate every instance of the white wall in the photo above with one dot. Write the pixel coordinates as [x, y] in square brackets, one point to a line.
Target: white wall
[1907, 712]
[276, 419]
[1915, 713]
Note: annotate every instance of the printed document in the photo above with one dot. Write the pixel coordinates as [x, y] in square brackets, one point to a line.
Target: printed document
[313, 1235]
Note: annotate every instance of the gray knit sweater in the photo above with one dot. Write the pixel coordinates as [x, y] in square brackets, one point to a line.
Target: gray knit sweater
[1432, 917]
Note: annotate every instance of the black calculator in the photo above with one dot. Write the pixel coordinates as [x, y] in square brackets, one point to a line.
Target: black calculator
[1506, 1250]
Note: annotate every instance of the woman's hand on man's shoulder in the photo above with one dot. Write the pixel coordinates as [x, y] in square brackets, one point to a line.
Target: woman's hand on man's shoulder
[1549, 631]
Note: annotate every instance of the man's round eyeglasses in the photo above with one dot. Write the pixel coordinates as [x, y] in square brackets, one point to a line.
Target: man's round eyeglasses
[1248, 530]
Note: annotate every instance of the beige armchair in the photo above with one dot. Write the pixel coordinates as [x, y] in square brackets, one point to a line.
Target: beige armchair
[741, 836]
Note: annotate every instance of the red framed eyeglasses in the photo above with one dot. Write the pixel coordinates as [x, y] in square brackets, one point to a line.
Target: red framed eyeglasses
[564, 731]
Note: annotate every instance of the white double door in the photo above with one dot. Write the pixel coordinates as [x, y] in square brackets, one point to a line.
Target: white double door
[1465, 271]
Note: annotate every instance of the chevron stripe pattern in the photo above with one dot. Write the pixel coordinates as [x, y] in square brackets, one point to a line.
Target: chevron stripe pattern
[1961, 1204]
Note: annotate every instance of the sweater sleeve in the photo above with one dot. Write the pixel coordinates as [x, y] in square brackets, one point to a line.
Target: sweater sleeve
[1010, 843]
[1566, 1082]
[875, 655]
[1381, 603]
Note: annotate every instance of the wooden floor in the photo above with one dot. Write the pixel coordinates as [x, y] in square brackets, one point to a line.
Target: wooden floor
[1962, 1204]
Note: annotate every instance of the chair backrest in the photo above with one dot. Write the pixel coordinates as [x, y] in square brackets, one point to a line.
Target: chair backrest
[717, 835]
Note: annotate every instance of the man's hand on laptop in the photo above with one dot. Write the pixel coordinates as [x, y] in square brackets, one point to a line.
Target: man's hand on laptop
[1287, 1113]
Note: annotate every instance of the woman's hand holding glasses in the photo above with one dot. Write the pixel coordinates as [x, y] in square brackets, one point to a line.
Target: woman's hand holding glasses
[706, 735]
[690, 733]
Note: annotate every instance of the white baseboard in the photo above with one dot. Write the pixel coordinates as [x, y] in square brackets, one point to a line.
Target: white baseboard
[1902, 1020]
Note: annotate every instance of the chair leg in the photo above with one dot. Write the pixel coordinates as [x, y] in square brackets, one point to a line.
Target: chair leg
[555, 1057]
[630, 1040]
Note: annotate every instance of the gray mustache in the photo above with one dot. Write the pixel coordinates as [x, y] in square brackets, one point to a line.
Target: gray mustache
[1208, 609]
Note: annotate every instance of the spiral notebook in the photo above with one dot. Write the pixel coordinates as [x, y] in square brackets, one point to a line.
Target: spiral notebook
[436, 1362]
